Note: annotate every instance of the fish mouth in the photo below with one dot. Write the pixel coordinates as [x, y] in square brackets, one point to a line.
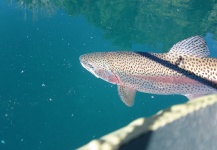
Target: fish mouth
[89, 68]
[82, 60]
[98, 72]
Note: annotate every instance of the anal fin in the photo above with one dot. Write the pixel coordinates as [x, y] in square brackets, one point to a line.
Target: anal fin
[127, 95]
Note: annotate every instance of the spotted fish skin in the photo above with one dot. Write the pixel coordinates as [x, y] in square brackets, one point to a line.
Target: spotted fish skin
[185, 70]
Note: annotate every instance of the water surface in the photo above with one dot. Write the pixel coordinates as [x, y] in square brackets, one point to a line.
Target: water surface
[47, 99]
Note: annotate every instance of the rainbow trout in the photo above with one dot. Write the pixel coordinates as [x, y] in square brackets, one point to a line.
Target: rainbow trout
[186, 69]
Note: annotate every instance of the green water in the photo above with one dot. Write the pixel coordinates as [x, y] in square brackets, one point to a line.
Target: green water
[47, 99]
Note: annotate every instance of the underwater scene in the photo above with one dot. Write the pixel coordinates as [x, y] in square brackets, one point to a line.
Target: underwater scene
[52, 98]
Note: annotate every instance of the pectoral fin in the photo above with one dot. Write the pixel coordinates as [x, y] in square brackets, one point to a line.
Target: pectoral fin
[127, 95]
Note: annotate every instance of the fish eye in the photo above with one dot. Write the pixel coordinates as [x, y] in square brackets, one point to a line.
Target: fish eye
[90, 66]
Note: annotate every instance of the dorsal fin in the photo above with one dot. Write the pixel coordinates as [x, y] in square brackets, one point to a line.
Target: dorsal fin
[193, 46]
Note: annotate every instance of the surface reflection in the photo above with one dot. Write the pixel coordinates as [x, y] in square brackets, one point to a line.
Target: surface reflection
[158, 24]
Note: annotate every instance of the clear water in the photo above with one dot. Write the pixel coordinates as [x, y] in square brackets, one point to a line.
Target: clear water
[47, 99]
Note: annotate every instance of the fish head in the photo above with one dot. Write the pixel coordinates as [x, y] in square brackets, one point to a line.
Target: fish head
[98, 65]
